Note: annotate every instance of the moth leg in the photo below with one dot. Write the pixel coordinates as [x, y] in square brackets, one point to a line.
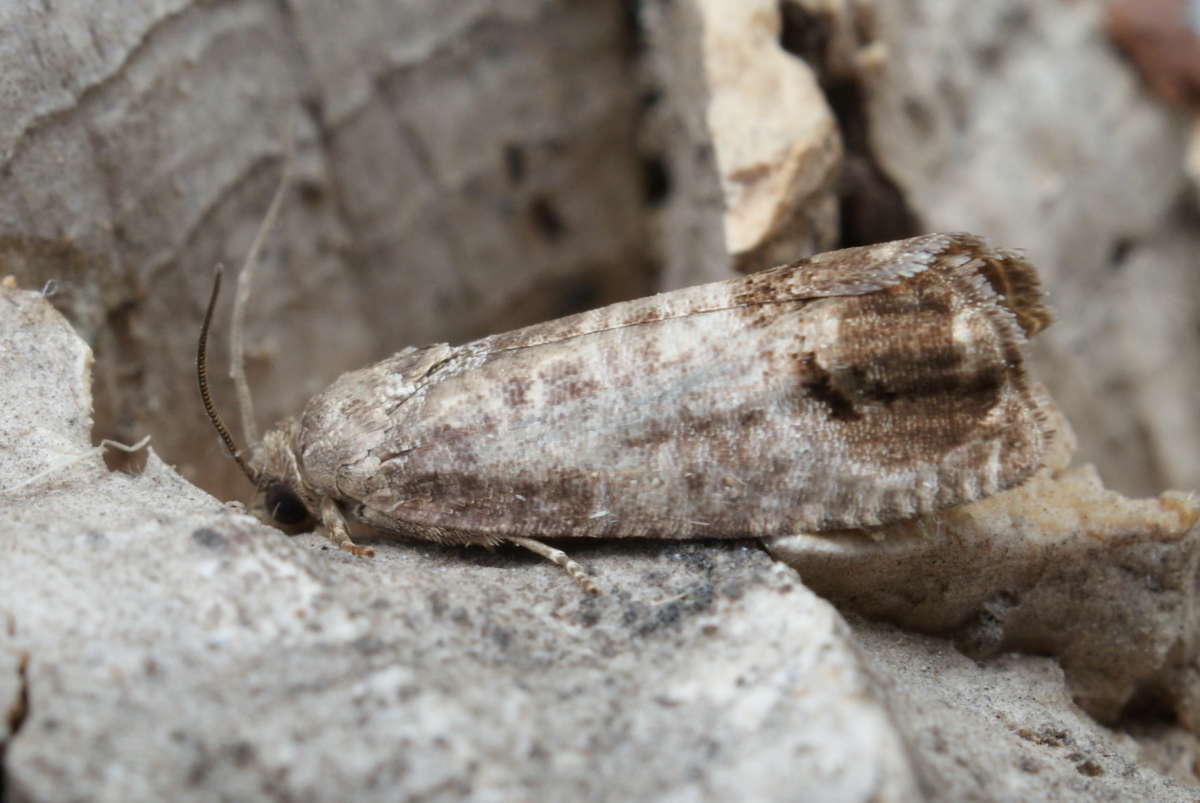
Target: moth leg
[558, 558]
[336, 531]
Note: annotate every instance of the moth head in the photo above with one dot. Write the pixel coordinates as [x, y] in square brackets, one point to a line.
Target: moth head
[273, 469]
[284, 506]
[286, 501]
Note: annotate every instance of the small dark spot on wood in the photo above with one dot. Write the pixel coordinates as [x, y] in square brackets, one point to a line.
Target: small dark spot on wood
[311, 193]
[1015, 20]
[1029, 764]
[210, 539]
[199, 771]
[919, 115]
[437, 605]
[988, 56]
[656, 180]
[313, 106]
[1119, 253]
[368, 645]
[242, 753]
[502, 636]
[547, 219]
[514, 163]
[631, 25]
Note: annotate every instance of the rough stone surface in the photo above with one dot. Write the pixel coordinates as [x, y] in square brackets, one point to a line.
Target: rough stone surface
[1007, 729]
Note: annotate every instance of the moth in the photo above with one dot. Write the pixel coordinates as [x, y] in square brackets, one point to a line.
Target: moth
[852, 388]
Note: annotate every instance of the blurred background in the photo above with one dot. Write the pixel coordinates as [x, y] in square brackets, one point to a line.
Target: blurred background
[469, 167]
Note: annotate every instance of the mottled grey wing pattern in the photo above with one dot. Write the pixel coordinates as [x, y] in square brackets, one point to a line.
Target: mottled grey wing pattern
[841, 391]
[851, 271]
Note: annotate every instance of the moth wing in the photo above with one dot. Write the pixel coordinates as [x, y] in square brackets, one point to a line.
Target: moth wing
[848, 272]
[846, 390]
[351, 420]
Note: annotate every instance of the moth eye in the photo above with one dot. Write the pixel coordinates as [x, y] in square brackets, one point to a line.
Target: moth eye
[284, 506]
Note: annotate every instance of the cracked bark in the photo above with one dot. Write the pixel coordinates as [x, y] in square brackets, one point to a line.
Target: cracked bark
[154, 157]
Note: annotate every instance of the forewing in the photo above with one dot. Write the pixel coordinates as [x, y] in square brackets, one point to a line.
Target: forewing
[848, 272]
[835, 393]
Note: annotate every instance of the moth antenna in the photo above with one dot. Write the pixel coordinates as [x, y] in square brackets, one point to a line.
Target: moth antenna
[237, 366]
[202, 380]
